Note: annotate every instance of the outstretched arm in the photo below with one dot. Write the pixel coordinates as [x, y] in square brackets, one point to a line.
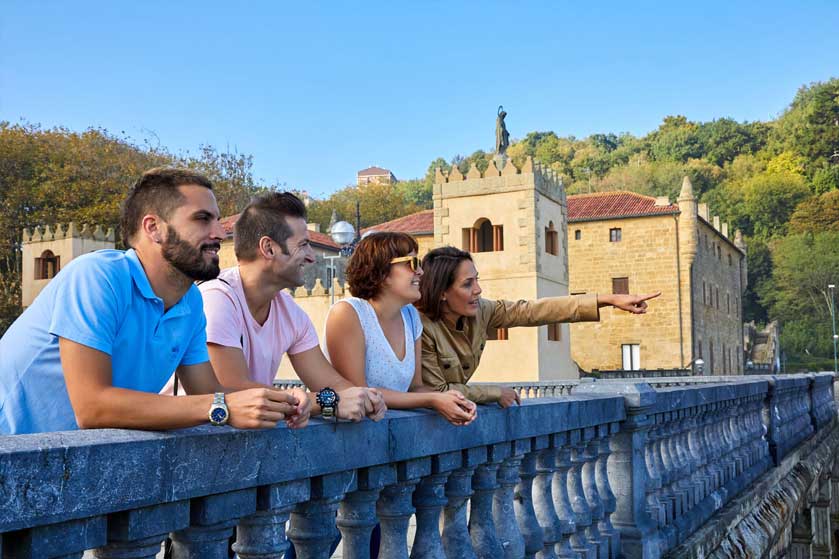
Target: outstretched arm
[636, 304]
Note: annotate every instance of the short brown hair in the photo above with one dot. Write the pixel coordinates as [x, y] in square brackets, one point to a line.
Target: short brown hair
[265, 216]
[369, 264]
[156, 192]
[439, 268]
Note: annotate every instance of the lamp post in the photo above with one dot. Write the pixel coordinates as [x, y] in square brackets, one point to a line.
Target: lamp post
[832, 289]
[343, 233]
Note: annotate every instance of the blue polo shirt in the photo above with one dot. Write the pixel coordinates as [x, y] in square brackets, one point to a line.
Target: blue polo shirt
[102, 300]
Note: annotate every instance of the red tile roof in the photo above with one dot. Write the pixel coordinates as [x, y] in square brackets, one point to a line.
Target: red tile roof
[373, 171]
[320, 239]
[606, 205]
[420, 223]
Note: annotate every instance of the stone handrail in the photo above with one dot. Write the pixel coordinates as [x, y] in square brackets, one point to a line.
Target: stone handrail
[615, 467]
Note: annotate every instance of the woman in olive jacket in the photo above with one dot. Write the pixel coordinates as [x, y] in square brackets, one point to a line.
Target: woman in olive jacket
[455, 320]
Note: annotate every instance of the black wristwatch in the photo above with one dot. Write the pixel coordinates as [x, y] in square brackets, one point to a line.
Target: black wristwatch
[328, 399]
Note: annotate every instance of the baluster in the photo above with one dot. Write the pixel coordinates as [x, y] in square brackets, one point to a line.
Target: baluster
[482, 531]
[64, 540]
[262, 534]
[357, 512]
[138, 533]
[581, 541]
[395, 507]
[659, 508]
[542, 496]
[524, 507]
[212, 519]
[610, 534]
[429, 500]
[592, 494]
[503, 503]
[312, 526]
[456, 539]
[562, 503]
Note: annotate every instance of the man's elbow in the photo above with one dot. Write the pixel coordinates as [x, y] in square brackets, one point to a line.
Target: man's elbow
[93, 417]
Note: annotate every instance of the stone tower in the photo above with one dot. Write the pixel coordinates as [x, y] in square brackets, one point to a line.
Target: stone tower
[46, 251]
[688, 246]
[514, 222]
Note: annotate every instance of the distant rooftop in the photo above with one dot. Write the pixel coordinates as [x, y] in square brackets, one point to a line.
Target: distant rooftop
[617, 204]
[420, 223]
[321, 239]
[374, 172]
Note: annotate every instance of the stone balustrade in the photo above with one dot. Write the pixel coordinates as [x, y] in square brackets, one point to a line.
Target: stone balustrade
[616, 468]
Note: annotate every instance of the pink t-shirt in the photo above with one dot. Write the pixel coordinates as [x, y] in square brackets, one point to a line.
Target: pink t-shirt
[230, 323]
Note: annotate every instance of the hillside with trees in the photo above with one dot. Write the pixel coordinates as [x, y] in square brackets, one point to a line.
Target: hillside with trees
[777, 181]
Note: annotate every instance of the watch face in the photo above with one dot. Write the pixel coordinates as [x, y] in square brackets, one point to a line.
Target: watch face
[218, 414]
[327, 397]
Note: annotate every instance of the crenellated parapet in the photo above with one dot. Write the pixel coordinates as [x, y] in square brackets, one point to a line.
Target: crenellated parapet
[531, 173]
[69, 231]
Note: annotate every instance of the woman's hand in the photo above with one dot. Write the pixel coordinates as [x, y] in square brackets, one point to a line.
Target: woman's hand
[508, 397]
[455, 407]
[636, 304]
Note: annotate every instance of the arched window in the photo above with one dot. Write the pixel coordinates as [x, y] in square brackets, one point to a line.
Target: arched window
[47, 265]
[551, 239]
[483, 237]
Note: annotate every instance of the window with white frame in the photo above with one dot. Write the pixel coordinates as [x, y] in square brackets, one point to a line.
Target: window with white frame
[631, 357]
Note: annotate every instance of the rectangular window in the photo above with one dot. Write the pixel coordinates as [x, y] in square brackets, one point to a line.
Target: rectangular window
[728, 303]
[704, 297]
[497, 334]
[578, 235]
[497, 238]
[554, 332]
[631, 357]
[551, 241]
[718, 298]
[614, 235]
[620, 286]
[578, 293]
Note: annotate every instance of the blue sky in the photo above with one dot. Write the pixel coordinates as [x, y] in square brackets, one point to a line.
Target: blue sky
[316, 91]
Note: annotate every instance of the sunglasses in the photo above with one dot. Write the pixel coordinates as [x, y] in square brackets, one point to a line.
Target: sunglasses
[413, 261]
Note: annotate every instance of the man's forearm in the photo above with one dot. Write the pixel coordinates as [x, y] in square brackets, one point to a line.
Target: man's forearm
[120, 408]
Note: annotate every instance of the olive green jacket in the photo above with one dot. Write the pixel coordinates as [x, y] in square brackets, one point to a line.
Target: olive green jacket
[452, 352]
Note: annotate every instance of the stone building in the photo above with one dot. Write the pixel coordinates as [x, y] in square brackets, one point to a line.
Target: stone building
[375, 174]
[45, 251]
[622, 242]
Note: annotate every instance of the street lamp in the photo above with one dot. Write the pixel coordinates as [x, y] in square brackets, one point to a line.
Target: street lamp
[832, 289]
[700, 367]
[343, 233]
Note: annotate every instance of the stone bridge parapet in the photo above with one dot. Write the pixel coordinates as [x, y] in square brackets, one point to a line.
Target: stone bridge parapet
[613, 469]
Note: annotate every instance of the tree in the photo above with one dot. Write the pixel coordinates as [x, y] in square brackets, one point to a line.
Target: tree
[724, 139]
[379, 202]
[802, 267]
[676, 140]
[820, 213]
[770, 198]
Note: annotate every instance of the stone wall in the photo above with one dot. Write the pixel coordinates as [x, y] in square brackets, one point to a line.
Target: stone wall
[646, 255]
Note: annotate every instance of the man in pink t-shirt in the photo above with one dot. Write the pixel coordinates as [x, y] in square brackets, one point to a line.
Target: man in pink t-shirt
[252, 322]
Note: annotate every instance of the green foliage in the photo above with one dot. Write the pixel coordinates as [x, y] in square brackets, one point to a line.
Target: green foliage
[820, 213]
[810, 126]
[826, 178]
[770, 198]
[802, 267]
[759, 267]
[379, 202]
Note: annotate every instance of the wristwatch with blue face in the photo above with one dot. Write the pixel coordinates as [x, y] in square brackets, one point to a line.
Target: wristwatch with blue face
[328, 399]
[218, 410]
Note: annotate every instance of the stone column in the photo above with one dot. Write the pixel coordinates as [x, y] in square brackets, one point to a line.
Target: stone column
[503, 507]
[610, 535]
[595, 503]
[212, 520]
[485, 540]
[395, 507]
[542, 496]
[583, 541]
[312, 525]
[525, 511]
[456, 539]
[628, 469]
[262, 535]
[357, 512]
[820, 507]
[802, 536]
[429, 500]
[138, 533]
[562, 503]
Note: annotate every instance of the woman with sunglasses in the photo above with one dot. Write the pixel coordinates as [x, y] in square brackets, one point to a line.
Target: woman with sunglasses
[456, 319]
[373, 338]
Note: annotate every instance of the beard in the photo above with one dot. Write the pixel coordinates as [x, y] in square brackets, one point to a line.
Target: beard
[190, 260]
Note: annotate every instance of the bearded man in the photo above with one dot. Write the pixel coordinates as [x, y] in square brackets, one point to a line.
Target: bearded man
[101, 340]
